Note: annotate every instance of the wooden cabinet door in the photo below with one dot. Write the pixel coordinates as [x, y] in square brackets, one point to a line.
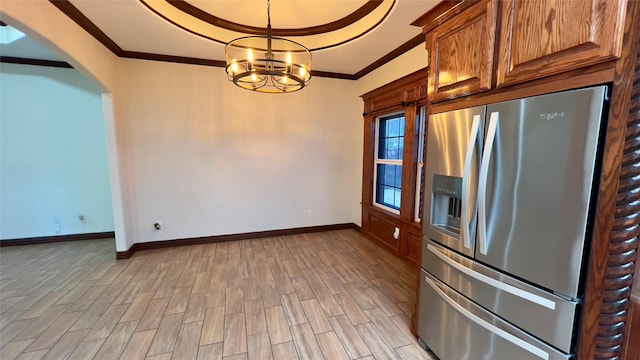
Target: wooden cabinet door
[546, 37]
[461, 53]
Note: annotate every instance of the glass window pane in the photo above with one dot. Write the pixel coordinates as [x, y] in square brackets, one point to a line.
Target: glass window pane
[401, 125]
[382, 129]
[398, 196]
[398, 179]
[393, 126]
[389, 174]
[382, 149]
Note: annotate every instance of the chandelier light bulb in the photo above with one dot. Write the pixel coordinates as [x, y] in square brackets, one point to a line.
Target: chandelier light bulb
[265, 63]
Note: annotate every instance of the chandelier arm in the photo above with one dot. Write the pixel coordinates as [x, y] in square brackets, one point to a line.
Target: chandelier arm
[274, 72]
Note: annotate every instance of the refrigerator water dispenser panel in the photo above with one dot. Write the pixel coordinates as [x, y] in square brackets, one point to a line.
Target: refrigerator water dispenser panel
[446, 203]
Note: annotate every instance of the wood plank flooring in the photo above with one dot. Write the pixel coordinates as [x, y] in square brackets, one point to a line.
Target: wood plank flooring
[330, 295]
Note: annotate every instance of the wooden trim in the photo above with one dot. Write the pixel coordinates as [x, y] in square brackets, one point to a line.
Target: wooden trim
[209, 18]
[170, 58]
[333, 75]
[196, 33]
[78, 17]
[403, 82]
[232, 237]
[57, 238]
[36, 62]
[74, 14]
[615, 235]
[413, 42]
[598, 74]
[441, 13]
[120, 255]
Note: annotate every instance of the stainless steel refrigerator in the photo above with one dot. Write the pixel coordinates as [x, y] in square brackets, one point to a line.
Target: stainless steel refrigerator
[509, 191]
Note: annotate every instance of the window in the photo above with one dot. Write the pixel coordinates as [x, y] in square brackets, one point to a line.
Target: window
[421, 123]
[388, 162]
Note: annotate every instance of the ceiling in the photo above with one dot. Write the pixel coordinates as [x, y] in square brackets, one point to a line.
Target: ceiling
[347, 38]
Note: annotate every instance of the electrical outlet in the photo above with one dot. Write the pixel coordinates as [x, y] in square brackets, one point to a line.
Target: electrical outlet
[82, 219]
[309, 213]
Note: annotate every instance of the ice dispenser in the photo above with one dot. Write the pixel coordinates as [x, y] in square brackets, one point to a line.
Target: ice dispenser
[446, 203]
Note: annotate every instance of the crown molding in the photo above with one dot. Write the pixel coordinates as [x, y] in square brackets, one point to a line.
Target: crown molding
[79, 18]
[37, 62]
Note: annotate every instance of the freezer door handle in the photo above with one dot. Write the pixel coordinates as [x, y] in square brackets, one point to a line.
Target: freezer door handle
[464, 216]
[536, 299]
[482, 185]
[487, 325]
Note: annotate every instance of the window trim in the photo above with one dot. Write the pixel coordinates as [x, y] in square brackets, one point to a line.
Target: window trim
[377, 160]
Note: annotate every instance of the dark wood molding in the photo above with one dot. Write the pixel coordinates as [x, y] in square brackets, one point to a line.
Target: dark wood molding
[597, 74]
[252, 30]
[617, 222]
[78, 17]
[120, 255]
[333, 75]
[74, 14]
[396, 86]
[353, 17]
[232, 237]
[441, 13]
[36, 62]
[170, 58]
[57, 238]
[415, 41]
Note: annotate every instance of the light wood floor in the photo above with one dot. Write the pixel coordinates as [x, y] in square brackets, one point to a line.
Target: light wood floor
[331, 295]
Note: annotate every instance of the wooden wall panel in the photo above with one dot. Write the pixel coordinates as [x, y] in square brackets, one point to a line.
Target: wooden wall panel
[382, 230]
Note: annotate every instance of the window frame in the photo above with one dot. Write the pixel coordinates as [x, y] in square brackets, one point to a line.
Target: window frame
[377, 161]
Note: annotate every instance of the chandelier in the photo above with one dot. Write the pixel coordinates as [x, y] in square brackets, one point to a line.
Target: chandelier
[268, 64]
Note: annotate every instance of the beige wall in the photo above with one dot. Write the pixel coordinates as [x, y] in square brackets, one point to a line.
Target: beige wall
[208, 158]
[189, 149]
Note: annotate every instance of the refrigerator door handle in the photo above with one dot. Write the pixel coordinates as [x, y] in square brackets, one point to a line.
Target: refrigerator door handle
[487, 325]
[482, 184]
[523, 294]
[464, 216]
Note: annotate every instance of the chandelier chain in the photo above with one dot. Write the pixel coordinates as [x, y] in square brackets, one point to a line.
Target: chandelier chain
[269, 13]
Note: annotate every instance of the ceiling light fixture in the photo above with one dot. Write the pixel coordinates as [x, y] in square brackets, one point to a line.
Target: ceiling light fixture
[268, 64]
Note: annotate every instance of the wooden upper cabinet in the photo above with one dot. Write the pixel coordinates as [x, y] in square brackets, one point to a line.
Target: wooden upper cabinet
[546, 37]
[461, 53]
